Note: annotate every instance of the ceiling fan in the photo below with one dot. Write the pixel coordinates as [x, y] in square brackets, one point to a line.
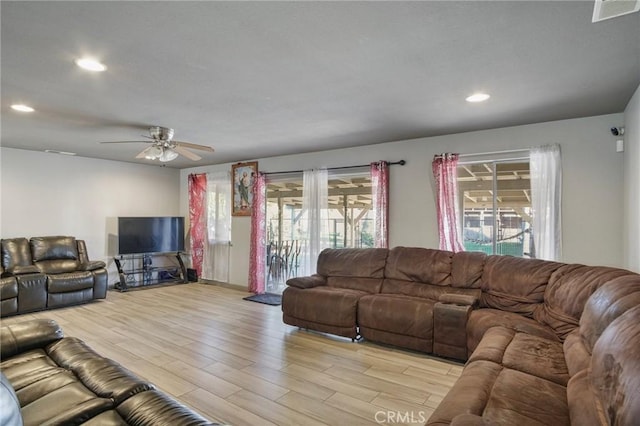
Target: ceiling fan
[163, 148]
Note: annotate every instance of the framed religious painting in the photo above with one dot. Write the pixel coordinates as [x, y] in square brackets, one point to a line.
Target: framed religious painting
[244, 176]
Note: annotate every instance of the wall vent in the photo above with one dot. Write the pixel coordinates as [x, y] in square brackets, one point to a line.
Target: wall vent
[606, 9]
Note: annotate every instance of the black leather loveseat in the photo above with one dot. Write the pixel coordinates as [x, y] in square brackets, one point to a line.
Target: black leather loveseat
[59, 380]
[48, 272]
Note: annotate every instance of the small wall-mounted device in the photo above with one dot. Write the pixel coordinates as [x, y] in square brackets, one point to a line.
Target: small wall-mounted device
[617, 131]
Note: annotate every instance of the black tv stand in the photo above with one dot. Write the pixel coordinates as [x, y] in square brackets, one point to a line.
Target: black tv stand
[143, 270]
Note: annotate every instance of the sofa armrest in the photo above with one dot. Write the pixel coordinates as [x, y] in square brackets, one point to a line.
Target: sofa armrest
[24, 336]
[458, 299]
[307, 282]
[92, 265]
[22, 270]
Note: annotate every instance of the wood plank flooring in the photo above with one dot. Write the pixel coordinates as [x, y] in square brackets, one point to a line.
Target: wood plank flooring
[235, 361]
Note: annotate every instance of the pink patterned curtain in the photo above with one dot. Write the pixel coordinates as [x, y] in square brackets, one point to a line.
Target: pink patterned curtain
[257, 254]
[197, 218]
[446, 175]
[380, 189]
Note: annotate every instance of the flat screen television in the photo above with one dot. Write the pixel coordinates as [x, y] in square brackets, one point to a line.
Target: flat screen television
[150, 235]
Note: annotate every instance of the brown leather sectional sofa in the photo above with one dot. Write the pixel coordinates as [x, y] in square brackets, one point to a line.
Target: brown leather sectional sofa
[545, 343]
[59, 380]
[48, 272]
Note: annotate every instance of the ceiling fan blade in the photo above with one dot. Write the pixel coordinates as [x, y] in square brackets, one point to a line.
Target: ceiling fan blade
[143, 153]
[183, 151]
[194, 146]
[127, 142]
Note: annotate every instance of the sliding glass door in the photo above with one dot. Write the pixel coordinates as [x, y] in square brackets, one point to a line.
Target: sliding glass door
[350, 221]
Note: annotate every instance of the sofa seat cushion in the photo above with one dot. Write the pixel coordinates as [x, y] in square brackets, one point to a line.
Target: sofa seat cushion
[523, 352]
[405, 315]
[69, 281]
[481, 320]
[27, 368]
[502, 396]
[325, 305]
[70, 404]
[49, 393]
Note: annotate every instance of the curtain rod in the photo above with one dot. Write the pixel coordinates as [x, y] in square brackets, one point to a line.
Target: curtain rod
[401, 163]
[477, 154]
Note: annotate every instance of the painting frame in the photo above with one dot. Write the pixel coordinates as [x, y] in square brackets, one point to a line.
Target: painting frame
[243, 177]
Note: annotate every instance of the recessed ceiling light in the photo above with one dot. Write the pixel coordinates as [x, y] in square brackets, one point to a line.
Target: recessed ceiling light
[90, 64]
[478, 97]
[22, 108]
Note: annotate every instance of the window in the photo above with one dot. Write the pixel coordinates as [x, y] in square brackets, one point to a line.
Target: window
[495, 197]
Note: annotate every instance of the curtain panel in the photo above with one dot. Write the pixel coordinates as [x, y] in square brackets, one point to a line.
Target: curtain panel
[197, 218]
[380, 192]
[546, 201]
[445, 173]
[315, 217]
[257, 253]
[215, 263]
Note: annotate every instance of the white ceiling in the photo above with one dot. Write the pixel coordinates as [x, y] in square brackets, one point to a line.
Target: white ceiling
[257, 79]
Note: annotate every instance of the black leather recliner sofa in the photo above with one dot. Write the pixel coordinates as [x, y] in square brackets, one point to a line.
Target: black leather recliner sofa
[57, 380]
[48, 272]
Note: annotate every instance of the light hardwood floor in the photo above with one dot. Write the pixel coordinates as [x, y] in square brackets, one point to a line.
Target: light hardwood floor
[235, 361]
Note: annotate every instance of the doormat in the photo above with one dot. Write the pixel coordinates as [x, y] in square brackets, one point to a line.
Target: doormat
[266, 298]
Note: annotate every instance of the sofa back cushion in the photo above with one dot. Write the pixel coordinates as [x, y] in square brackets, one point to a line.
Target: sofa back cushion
[55, 255]
[568, 291]
[16, 253]
[515, 284]
[419, 265]
[467, 268]
[615, 369]
[357, 269]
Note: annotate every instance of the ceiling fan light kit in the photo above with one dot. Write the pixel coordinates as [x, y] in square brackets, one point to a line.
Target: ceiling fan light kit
[168, 154]
[152, 152]
[164, 148]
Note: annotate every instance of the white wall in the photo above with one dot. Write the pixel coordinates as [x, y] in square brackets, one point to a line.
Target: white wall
[592, 187]
[632, 183]
[50, 194]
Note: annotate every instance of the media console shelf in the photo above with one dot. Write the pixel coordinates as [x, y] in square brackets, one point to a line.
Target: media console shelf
[147, 269]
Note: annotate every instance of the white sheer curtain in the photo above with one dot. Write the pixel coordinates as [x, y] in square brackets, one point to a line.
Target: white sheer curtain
[315, 218]
[546, 201]
[215, 265]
